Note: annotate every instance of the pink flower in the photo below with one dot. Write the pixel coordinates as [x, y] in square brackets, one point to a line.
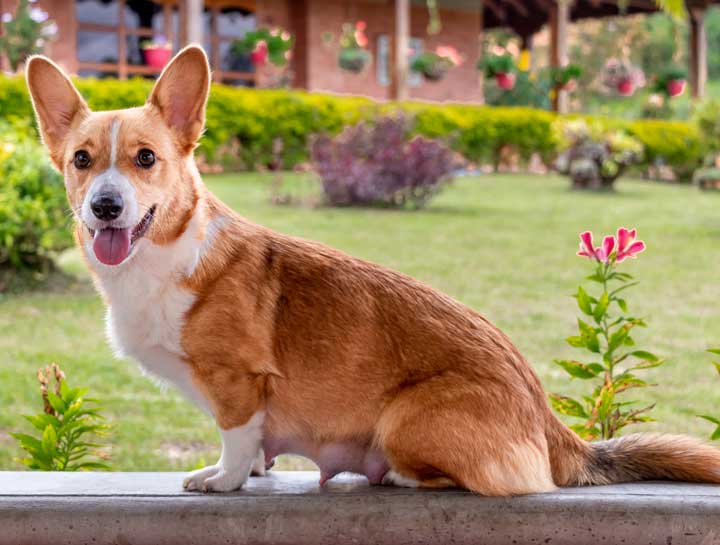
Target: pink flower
[361, 25]
[602, 253]
[450, 53]
[628, 246]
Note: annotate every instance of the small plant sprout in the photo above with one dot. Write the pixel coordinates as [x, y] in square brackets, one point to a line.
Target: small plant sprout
[715, 435]
[605, 332]
[64, 428]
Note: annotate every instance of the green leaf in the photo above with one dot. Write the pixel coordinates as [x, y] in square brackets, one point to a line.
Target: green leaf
[714, 350]
[645, 355]
[716, 434]
[601, 307]
[583, 301]
[42, 421]
[567, 406]
[589, 336]
[622, 304]
[575, 341]
[27, 442]
[618, 337]
[710, 418]
[580, 370]
[56, 403]
[65, 391]
[49, 441]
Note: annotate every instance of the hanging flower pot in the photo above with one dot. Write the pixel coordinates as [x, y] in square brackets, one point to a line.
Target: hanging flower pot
[625, 87]
[157, 52]
[354, 56]
[505, 80]
[622, 77]
[434, 65]
[675, 87]
[565, 77]
[263, 46]
[671, 81]
[500, 67]
[353, 59]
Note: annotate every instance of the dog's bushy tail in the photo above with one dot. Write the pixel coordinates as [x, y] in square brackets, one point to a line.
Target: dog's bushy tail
[637, 457]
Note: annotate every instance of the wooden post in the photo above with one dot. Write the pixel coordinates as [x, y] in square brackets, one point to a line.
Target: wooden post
[122, 42]
[215, 43]
[698, 52]
[400, 47]
[194, 21]
[481, 30]
[168, 23]
[559, 19]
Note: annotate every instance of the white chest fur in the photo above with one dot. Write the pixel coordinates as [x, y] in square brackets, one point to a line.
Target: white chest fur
[148, 305]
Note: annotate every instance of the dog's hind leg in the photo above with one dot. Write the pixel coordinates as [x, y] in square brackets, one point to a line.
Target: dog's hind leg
[446, 431]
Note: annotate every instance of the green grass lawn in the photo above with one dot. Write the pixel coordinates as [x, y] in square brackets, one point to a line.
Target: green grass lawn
[504, 245]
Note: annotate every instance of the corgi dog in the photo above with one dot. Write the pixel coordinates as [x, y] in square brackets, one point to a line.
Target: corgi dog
[294, 347]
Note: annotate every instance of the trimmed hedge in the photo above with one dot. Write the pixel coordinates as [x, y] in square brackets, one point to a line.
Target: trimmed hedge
[243, 125]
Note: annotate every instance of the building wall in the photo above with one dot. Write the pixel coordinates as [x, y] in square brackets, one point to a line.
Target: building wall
[459, 29]
[314, 64]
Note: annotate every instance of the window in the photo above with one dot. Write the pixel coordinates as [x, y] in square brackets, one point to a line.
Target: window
[383, 60]
[111, 34]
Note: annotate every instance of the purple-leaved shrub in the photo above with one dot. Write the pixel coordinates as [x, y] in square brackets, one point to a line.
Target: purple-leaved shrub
[377, 164]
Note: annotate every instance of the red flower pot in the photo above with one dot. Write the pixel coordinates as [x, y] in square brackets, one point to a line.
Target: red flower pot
[157, 57]
[505, 80]
[259, 55]
[675, 87]
[626, 87]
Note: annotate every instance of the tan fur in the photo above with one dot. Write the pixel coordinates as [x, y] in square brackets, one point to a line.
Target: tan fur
[334, 349]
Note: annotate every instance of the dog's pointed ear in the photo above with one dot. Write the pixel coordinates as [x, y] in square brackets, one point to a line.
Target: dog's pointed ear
[58, 105]
[181, 93]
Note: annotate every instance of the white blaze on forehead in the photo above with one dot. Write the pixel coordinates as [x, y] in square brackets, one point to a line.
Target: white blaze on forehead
[114, 126]
[112, 180]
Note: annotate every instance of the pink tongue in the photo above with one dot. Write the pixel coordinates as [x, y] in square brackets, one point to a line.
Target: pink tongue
[111, 246]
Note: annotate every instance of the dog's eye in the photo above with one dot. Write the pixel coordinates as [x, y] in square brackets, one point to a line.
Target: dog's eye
[145, 158]
[82, 159]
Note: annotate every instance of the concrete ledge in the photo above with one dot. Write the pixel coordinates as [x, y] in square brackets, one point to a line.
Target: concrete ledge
[289, 508]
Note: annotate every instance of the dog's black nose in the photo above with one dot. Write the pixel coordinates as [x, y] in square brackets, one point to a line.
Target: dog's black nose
[107, 206]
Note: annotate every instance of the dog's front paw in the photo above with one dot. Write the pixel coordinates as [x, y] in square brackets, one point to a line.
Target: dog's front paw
[216, 479]
[195, 480]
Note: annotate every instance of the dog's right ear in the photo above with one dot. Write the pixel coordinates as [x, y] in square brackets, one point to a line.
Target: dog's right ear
[58, 105]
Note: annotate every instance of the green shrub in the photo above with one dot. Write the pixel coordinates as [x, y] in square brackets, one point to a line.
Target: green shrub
[673, 143]
[33, 219]
[244, 126]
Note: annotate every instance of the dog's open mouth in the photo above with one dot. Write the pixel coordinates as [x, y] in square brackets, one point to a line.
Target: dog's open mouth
[113, 245]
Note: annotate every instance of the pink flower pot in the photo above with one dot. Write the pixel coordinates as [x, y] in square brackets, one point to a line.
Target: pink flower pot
[259, 55]
[505, 81]
[626, 87]
[675, 87]
[157, 57]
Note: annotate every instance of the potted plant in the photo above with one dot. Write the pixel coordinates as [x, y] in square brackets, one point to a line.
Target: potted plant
[433, 65]
[156, 52]
[265, 45]
[25, 33]
[354, 55]
[594, 157]
[500, 67]
[622, 77]
[671, 81]
[565, 77]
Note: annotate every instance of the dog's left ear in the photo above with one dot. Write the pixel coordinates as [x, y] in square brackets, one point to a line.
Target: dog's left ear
[181, 93]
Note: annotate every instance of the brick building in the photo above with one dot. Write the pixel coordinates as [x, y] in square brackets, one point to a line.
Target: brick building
[102, 37]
